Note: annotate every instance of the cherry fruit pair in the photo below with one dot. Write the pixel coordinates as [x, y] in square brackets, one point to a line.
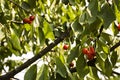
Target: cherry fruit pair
[28, 20]
[89, 52]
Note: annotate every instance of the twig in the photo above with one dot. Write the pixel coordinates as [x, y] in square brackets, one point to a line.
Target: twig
[17, 22]
[115, 46]
[115, 72]
[15, 78]
[36, 57]
[101, 29]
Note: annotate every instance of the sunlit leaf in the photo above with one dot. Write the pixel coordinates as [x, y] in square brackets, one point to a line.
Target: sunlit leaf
[15, 40]
[2, 35]
[117, 13]
[47, 29]
[27, 27]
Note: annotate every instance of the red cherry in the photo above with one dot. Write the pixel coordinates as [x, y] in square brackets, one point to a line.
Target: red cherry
[118, 27]
[32, 18]
[91, 53]
[29, 22]
[26, 20]
[90, 56]
[65, 47]
[71, 64]
[85, 51]
[91, 50]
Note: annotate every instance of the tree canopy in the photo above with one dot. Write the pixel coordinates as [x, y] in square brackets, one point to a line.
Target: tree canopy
[75, 39]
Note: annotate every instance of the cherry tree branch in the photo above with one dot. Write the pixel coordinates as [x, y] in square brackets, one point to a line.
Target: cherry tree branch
[12, 73]
[115, 46]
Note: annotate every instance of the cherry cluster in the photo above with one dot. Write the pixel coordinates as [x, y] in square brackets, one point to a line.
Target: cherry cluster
[89, 52]
[29, 20]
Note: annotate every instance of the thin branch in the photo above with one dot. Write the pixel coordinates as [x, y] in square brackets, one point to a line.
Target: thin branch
[36, 57]
[115, 46]
[101, 29]
[16, 22]
[115, 72]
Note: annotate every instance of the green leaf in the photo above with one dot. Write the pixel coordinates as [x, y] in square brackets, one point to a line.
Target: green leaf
[103, 46]
[3, 18]
[76, 26]
[69, 12]
[59, 77]
[25, 5]
[27, 27]
[93, 7]
[107, 37]
[117, 3]
[2, 35]
[72, 2]
[114, 29]
[105, 49]
[100, 63]
[31, 2]
[69, 74]
[73, 54]
[114, 58]
[60, 68]
[31, 73]
[15, 40]
[65, 2]
[95, 25]
[83, 19]
[47, 29]
[82, 67]
[117, 13]
[93, 73]
[62, 58]
[108, 67]
[43, 73]
[40, 36]
[107, 15]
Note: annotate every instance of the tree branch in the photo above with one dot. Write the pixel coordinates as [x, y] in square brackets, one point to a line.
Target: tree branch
[101, 29]
[115, 46]
[36, 57]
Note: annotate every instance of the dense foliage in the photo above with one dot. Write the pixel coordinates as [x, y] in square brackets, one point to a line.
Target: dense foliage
[90, 29]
